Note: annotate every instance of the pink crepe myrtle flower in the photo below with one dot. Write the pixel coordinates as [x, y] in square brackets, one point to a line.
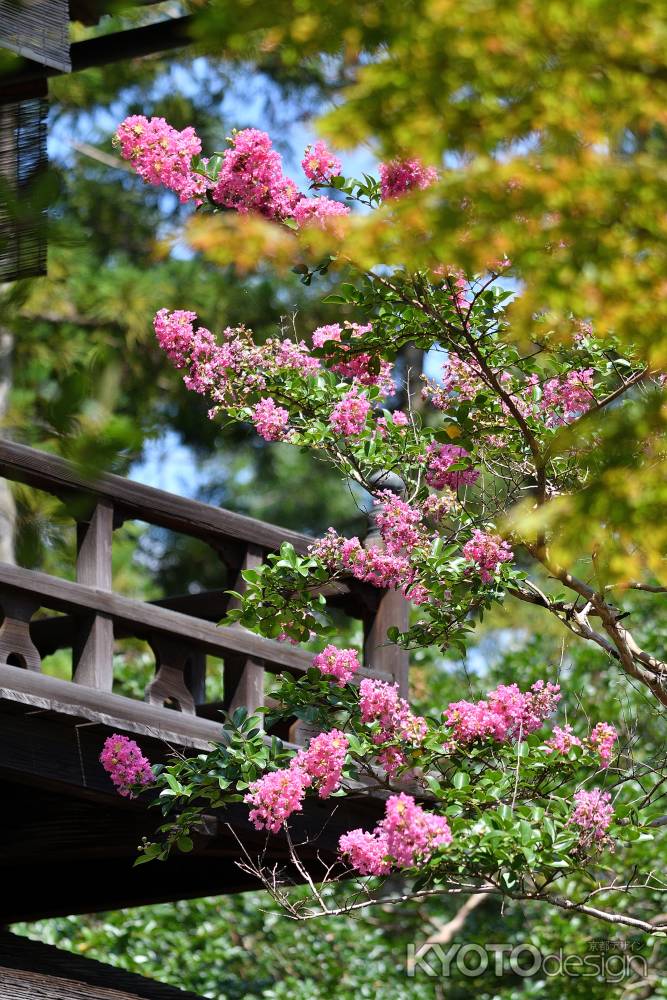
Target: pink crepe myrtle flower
[562, 740]
[400, 524]
[251, 178]
[380, 702]
[125, 764]
[323, 334]
[439, 461]
[507, 713]
[407, 835]
[348, 417]
[371, 565]
[289, 354]
[270, 420]
[175, 334]
[275, 796]
[318, 211]
[319, 163]
[562, 399]
[397, 419]
[366, 852]
[397, 177]
[461, 381]
[162, 155]
[358, 366]
[278, 794]
[323, 761]
[339, 664]
[488, 553]
[602, 738]
[593, 813]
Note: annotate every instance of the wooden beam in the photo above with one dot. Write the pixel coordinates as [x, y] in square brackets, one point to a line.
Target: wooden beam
[51, 694]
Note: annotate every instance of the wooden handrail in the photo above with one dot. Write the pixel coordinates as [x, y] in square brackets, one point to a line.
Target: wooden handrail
[142, 618]
[180, 641]
[134, 500]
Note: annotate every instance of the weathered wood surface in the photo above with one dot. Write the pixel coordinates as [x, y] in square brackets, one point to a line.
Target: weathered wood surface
[30, 970]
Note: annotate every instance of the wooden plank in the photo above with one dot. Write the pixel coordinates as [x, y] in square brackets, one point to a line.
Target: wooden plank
[41, 968]
[143, 618]
[52, 694]
[380, 654]
[145, 503]
[93, 651]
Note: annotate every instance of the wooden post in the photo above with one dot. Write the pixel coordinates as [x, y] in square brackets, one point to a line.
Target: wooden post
[16, 646]
[393, 609]
[171, 661]
[93, 654]
[379, 653]
[249, 691]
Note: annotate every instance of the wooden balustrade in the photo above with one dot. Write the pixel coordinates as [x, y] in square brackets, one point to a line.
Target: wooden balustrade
[179, 630]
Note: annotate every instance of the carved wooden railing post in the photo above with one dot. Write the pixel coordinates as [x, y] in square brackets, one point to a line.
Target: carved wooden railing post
[249, 690]
[93, 653]
[172, 658]
[393, 609]
[16, 646]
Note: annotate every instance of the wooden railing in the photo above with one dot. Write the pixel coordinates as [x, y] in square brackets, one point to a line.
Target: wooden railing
[179, 630]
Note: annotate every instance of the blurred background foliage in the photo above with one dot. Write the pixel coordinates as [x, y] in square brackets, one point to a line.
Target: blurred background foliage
[549, 125]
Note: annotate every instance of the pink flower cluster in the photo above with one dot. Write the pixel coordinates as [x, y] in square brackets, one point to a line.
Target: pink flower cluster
[564, 399]
[439, 473]
[275, 796]
[340, 664]
[278, 794]
[323, 761]
[400, 176]
[398, 419]
[348, 417]
[161, 154]
[461, 380]
[400, 524]
[318, 211]
[125, 764]
[456, 281]
[593, 813]
[506, 714]
[562, 740]
[405, 836]
[488, 553]
[251, 177]
[270, 420]
[602, 738]
[380, 702]
[358, 367]
[372, 565]
[319, 163]
[229, 371]
[176, 336]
